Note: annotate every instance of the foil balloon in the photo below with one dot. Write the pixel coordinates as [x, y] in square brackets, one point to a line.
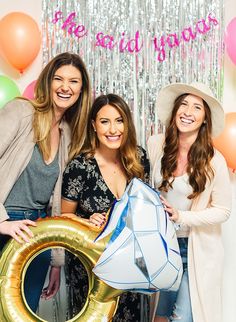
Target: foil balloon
[50, 233]
[137, 224]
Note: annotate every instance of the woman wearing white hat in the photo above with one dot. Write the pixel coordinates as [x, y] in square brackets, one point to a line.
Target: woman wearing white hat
[194, 182]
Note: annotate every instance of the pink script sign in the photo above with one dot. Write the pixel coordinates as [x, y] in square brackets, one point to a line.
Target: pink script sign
[135, 44]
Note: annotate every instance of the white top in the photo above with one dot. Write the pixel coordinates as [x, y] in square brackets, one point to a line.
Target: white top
[177, 197]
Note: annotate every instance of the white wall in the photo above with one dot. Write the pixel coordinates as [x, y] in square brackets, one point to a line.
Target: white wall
[33, 8]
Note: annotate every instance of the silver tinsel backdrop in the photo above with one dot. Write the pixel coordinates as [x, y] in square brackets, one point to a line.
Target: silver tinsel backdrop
[120, 42]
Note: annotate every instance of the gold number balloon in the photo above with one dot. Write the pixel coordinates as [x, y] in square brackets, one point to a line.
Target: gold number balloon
[76, 236]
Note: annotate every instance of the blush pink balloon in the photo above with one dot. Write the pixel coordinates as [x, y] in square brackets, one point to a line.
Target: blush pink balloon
[29, 91]
[230, 40]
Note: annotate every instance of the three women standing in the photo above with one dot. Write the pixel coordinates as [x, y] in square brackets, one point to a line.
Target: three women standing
[192, 176]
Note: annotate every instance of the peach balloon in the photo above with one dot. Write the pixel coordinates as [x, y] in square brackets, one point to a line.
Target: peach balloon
[20, 39]
[226, 141]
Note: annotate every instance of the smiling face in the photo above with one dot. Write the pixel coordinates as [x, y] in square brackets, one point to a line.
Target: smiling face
[190, 115]
[109, 127]
[66, 87]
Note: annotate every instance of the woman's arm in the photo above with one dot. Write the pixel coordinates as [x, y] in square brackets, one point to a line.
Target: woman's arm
[54, 283]
[68, 206]
[217, 201]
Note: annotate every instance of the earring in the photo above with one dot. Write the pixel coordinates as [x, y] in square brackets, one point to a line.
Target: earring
[204, 122]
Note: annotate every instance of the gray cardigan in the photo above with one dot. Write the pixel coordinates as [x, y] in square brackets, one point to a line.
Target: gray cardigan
[16, 148]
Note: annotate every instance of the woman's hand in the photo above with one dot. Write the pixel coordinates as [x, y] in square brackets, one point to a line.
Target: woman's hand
[18, 229]
[54, 283]
[172, 212]
[98, 219]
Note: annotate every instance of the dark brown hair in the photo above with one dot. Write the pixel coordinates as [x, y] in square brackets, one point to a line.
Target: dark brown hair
[199, 156]
[128, 150]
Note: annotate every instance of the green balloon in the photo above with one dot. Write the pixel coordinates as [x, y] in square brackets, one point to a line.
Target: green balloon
[8, 90]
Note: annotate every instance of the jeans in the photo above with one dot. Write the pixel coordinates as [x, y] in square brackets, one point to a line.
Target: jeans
[176, 306]
[37, 270]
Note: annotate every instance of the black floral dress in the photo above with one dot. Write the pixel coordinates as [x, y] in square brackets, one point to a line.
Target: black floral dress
[83, 182]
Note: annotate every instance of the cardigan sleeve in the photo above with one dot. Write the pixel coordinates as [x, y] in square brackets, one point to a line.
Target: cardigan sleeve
[154, 148]
[9, 124]
[3, 213]
[151, 149]
[213, 205]
[11, 116]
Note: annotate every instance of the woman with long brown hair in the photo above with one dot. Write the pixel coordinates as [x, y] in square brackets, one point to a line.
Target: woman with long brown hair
[94, 179]
[193, 179]
[36, 137]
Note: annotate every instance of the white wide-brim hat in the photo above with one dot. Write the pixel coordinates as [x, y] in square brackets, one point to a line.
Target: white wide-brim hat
[167, 96]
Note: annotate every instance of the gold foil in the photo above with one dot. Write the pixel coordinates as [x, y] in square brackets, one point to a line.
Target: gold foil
[76, 237]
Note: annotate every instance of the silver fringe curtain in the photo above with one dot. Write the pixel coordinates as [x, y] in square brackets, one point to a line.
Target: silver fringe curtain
[135, 47]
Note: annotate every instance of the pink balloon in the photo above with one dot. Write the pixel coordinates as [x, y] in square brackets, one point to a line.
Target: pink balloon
[230, 40]
[29, 91]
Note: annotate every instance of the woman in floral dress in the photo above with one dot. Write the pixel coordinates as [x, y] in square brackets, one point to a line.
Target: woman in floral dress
[96, 178]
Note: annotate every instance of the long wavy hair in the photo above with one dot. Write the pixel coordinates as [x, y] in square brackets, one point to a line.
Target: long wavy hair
[76, 115]
[199, 156]
[128, 150]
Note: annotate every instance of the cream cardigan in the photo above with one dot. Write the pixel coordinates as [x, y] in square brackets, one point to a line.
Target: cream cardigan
[205, 249]
[16, 148]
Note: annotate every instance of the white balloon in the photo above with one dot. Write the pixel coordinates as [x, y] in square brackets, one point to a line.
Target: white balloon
[143, 252]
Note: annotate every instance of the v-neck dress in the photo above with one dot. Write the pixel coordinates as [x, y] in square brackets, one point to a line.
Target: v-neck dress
[83, 182]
